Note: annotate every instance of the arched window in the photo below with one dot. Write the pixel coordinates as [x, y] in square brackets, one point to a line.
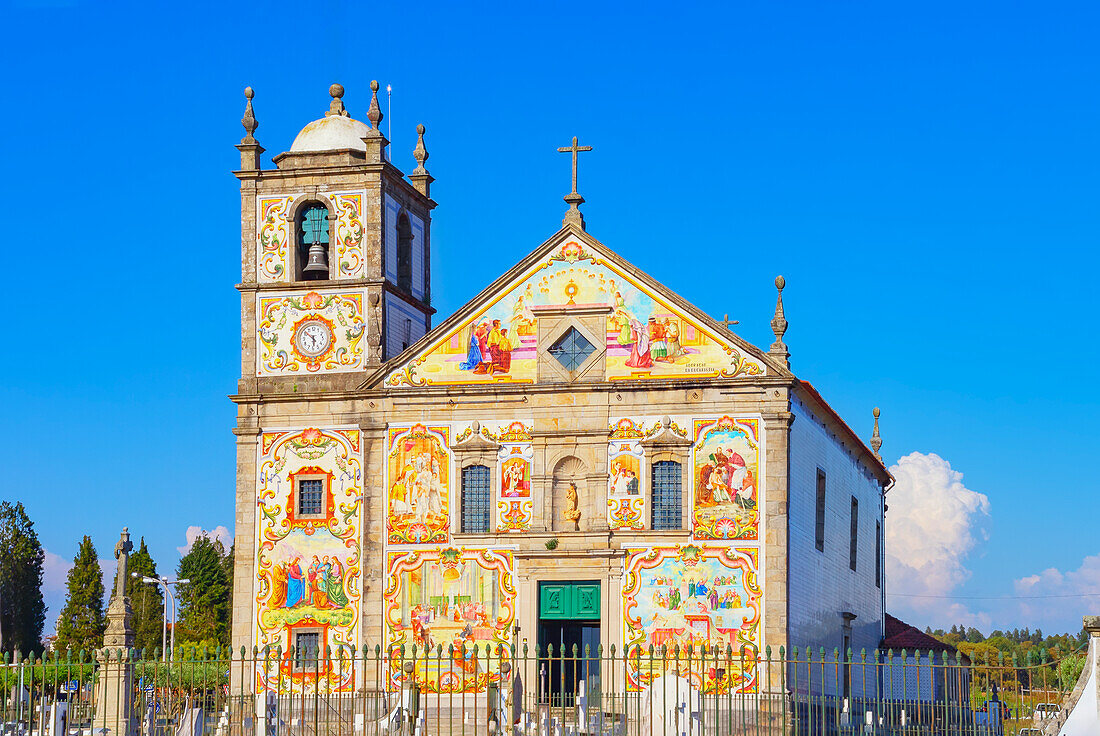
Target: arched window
[404, 253]
[476, 495]
[312, 231]
[665, 498]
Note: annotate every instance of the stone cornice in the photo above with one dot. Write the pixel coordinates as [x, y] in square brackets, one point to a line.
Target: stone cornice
[520, 392]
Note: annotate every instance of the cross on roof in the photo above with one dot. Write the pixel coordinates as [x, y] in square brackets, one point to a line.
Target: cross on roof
[574, 149]
[727, 322]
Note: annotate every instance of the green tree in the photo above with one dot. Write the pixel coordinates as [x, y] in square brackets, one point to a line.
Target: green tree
[81, 623]
[22, 609]
[205, 600]
[146, 601]
[1069, 669]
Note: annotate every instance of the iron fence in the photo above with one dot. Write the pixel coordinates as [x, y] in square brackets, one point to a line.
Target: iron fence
[696, 691]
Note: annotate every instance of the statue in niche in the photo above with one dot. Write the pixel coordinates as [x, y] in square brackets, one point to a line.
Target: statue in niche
[572, 510]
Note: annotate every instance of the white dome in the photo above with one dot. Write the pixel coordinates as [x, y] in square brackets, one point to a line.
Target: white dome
[331, 133]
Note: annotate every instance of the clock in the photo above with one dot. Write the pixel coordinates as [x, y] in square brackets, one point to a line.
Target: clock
[313, 337]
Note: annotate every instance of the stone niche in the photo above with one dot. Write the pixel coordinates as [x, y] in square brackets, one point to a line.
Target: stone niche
[569, 470]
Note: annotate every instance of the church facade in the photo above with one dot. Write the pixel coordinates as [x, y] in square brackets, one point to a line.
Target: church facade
[577, 456]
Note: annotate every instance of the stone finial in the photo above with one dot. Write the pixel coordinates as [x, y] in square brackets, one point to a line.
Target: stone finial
[779, 326]
[420, 153]
[374, 114]
[336, 107]
[249, 119]
[420, 177]
[876, 439]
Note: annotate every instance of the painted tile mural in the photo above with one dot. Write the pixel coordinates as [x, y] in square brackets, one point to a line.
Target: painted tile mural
[309, 333]
[449, 601]
[308, 566]
[349, 233]
[418, 475]
[698, 596]
[515, 508]
[625, 470]
[645, 336]
[727, 463]
[275, 233]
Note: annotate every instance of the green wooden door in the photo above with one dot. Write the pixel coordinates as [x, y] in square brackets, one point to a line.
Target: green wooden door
[569, 601]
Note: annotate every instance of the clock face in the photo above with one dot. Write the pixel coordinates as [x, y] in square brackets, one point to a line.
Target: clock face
[313, 338]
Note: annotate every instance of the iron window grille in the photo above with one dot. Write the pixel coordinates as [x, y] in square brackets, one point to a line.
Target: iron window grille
[666, 495]
[819, 521]
[307, 648]
[853, 543]
[311, 497]
[476, 495]
[572, 349]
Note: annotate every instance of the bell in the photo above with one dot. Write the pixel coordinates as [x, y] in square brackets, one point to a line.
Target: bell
[318, 261]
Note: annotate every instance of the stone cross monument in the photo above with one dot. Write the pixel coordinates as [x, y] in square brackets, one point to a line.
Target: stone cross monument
[115, 698]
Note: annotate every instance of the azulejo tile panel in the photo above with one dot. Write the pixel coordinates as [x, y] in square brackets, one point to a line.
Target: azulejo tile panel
[319, 331]
[698, 597]
[418, 478]
[645, 336]
[308, 560]
[274, 230]
[449, 601]
[727, 463]
[275, 234]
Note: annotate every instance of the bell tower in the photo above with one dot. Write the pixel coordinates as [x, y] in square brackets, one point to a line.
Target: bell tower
[335, 244]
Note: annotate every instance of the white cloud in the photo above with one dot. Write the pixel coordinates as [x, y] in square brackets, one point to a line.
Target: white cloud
[934, 523]
[1070, 587]
[194, 532]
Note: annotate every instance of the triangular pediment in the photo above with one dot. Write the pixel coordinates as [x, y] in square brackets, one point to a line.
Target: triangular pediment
[646, 330]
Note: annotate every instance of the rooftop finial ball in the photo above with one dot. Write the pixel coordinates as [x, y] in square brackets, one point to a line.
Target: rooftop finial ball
[780, 282]
[374, 85]
[336, 90]
[249, 93]
[876, 412]
[420, 129]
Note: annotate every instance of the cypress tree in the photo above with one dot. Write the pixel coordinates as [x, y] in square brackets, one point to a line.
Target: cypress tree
[146, 601]
[22, 609]
[204, 601]
[82, 622]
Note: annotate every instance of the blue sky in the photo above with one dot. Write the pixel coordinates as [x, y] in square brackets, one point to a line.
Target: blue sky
[923, 174]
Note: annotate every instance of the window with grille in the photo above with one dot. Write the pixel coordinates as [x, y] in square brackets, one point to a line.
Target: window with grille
[404, 253]
[666, 494]
[307, 647]
[312, 229]
[476, 495]
[878, 555]
[855, 530]
[311, 495]
[819, 522]
[572, 349]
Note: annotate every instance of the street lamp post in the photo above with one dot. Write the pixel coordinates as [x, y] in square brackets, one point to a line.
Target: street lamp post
[167, 584]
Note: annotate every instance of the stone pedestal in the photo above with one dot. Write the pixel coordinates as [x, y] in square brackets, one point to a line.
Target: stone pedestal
[114, 700]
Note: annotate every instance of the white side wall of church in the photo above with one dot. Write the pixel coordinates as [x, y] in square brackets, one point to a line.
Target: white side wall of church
[822, 584]
[404, 325]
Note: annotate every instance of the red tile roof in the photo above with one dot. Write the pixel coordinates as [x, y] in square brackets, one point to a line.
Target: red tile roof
[900, 635]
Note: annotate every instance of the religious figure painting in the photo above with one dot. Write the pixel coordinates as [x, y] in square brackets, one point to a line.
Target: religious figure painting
[515, 476]
[693, 596]
[418, 469]
[307, 581]
[308, 570]
[447, 602]
[625, 502]
[727, 461]
[646, 336]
